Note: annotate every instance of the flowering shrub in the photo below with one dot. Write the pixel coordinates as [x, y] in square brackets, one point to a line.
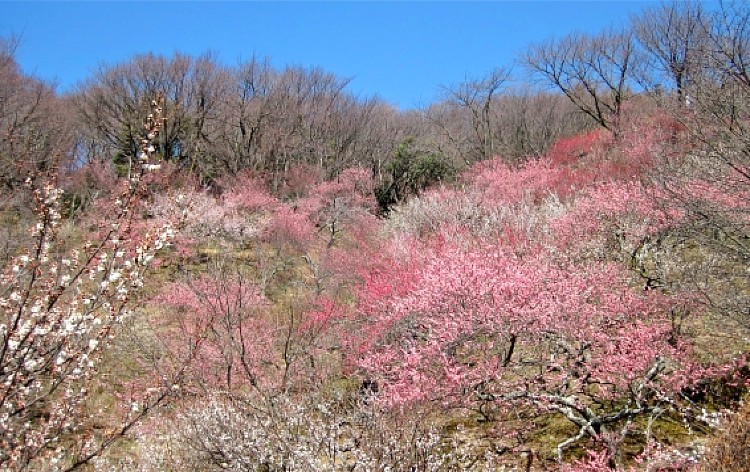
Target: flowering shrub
[221, 323]
[205, 218]
[237, 340]
[312, 434]
[501, 183]
[471, 211]
[609, 220]
[247, 194]
[336, 204]
[289, 226]
[300, 180]
[331, 207]
[486, 326]
[570, 150]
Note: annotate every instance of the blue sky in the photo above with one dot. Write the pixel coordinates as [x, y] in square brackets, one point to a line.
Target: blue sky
[400, 51]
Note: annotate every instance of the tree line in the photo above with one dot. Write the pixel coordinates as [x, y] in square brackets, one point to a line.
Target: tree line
[221, 120]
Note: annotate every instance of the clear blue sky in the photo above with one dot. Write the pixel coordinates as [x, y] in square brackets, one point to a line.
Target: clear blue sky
[401, 51]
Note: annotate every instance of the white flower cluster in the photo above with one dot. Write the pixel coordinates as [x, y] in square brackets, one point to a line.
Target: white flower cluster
[301, 435]
[56, 314]
[204, 217]
[152, 127]
[472, 210]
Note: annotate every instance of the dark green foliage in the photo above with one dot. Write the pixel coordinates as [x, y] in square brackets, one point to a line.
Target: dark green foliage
[410, 172]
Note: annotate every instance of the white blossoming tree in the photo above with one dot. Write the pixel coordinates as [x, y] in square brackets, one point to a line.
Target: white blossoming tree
[59, 309]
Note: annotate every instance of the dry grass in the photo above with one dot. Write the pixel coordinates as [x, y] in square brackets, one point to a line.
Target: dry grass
[729, 449]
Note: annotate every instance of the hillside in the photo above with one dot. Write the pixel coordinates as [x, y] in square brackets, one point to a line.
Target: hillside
[242, 268]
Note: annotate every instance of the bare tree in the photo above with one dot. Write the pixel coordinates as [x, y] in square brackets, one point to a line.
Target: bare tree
[224, 120]
[194, 90]
[673, 36]
[481, 120]
[595, 72]
[476, 97]
[277, 120]
[378, 140]
[729, 41]
[33, 123]
[449, 131]
[708, 178]
[530, 121]
[247, 117]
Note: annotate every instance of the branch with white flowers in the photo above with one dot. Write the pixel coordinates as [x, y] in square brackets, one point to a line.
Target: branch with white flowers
[57, 314]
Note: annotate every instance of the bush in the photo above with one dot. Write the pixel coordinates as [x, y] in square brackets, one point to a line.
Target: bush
[410, 172]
